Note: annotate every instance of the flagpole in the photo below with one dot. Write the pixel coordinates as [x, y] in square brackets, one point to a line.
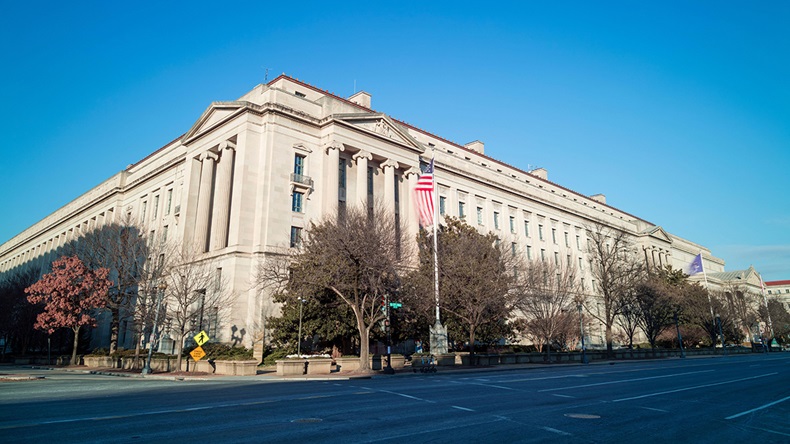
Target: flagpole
[765, 301]
[707, 289]
[435, 236]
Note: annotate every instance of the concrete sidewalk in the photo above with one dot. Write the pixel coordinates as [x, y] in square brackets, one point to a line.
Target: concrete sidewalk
[18, 373]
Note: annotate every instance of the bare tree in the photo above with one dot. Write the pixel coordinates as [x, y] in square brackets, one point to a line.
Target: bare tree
[628, 319]
[547, 295]
[121, 248]
[191, 283]
[654, 298]
[476, 276]
[616, 270]
[354, 259]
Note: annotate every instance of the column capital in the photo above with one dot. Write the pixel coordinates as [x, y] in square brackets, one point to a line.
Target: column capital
[209, 155]
[333, 145]
[412, 171]
[227, 145]
[389, 163]
[362, 154]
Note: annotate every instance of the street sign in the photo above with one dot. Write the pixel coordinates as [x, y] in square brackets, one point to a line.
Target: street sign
[396, 304]
[197, 354]
[201, 338]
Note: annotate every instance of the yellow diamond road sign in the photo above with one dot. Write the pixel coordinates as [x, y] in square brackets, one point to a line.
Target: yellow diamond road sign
[197, 354]
[201, 338]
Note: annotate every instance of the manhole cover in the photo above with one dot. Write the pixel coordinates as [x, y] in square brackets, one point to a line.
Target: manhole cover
[582, 416]
[307, 420]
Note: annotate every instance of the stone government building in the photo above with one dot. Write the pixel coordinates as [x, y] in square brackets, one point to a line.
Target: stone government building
[250, 174]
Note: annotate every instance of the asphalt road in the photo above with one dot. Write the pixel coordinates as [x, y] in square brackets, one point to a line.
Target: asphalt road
[721, 399]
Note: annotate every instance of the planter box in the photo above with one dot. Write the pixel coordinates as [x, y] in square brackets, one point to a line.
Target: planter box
[522, 358]
[398, 361]
[445, 359]
[186, 365]
[348, 364]
[98, 361]
[319, 366]
[507, 359]
[236, 368]
[291, 367]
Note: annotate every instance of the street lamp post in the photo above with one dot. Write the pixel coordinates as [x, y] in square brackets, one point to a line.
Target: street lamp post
[161, 293]
[721, 335]
[299, 339]
[680, 338]
[581, 329]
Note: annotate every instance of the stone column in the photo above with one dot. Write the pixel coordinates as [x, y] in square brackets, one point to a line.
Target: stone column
[362, 159]
[333, 150]
[389, 185]
[204, 200]
[412, 221]
[222, 193]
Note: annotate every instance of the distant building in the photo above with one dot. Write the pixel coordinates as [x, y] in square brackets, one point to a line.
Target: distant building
[246, 179]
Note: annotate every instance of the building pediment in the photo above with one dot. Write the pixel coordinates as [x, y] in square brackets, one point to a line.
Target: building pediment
[381, 126]
[216, 114]
[657, 232]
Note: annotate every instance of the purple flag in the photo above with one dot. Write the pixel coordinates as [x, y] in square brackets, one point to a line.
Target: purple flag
[695, 266]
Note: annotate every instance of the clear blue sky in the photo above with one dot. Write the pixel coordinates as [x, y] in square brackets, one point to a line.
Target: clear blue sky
[678, 111]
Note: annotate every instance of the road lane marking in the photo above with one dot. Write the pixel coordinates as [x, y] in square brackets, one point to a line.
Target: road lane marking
[562, 396]
[622, 381]
[543, 379]
[553, 430]
[462, 408]
[765, 406]
[407, 396]
[656, 410]
[693, 388]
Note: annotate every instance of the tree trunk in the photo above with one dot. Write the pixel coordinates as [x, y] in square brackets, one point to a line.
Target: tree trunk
[180, 350]
[137, 338]
[76, 342]
[114, 327]
[471, 346]
[609, 345]
[364, 343]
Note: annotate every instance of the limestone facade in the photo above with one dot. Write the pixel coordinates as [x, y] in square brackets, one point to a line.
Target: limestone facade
[250, 174]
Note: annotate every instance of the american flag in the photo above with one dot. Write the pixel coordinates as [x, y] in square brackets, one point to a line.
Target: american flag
[423, 196]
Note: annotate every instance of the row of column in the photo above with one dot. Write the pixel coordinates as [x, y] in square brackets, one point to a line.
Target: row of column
[389, 167]
[656, 257]
[214, 197]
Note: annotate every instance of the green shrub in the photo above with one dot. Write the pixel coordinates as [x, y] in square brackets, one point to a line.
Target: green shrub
[223, 352]
[274, 356]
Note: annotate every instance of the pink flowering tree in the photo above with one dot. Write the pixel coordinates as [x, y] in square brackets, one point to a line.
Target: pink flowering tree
[70, 294]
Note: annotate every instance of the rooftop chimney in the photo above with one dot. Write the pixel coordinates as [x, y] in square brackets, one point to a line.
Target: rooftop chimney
[599, 198]
[540, 172]
[361, 98]
[476, 146]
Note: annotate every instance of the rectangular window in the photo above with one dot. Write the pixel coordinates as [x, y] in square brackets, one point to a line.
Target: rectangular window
[156, 206]
[581, 264]
[143, 210]
[529, 252]
[512, 224]
[526, 228]
[578, 242]
[169, 203]
[164, 233]
[479, 215]
[461, 211]
[540, 231]
[496, 220]
[554, 236]
[442, 202]
[556, 258]
[341, 174]
[543, 254]
[567, 240]
[583, 286]
[298, 165]
[296, 202]
[296, 237]
[513, 249]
